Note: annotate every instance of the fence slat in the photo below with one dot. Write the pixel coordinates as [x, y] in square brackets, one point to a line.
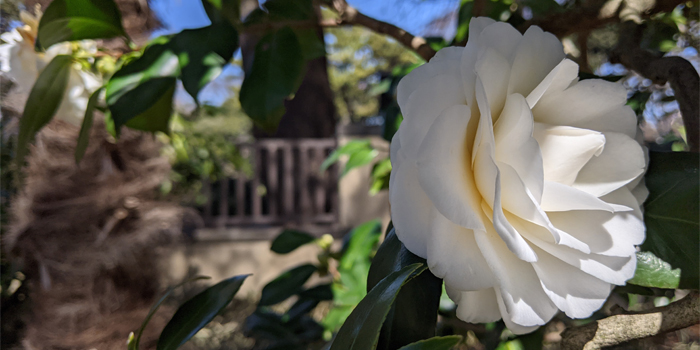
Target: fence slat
[272, 175]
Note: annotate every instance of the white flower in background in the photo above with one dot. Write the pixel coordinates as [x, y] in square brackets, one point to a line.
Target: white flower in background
[19, 62]
[516, 181]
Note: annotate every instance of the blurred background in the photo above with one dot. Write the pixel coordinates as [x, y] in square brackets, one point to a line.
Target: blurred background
[87, 250]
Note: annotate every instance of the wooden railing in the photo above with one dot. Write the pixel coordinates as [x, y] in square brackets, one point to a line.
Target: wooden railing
[286, 187]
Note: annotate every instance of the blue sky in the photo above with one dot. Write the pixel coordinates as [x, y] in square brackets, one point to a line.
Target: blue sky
[176, 15]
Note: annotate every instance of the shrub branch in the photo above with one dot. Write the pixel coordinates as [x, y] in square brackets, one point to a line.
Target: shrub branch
[619, 329]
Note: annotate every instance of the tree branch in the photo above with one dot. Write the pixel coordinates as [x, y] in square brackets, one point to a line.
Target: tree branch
[350, 15]
[619, 329]
[680, 74]
[597, 13]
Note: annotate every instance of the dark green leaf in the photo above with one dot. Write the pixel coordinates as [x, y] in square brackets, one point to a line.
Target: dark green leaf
[286, 285]
[361, 330]
[311, 44]
[289, 240]
[436, 343]
[276, 74]
[195, 55]
[654, 272]
[194, 314]
[414, 314]
[71, 20]
[43, 102]
[320, 292]
[84, 135]
[671, 213]
[219, 10]
[157, 116]
[135, 344]
[282, 10]
[203, 52]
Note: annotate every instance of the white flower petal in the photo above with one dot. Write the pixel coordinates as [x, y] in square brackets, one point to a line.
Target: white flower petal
[444, 62]
[516, 146]
[611, 269]
[424, 106]
[524, 300]
[411, 210]
[537, 54]
[493, 71]
[454, 256]
[589, 104]
[443, 172]
[559, 197]
[573, 291]
[478, 306]
[566, 150]
[557, 80]
[621, 162]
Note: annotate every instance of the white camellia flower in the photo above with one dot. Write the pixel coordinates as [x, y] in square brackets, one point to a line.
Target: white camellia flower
[21, 63]
[517, 182]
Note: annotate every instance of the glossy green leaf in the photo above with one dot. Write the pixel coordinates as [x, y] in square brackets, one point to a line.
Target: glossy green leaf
[361, 330]
[287, 284]
[195, 55]
[289, 240]
[157, 116]
[414, 314]
[195, 313]
[43, 102]
[275, 75]
[654, 272]
[71, 20]
[84, 135]
[134, 345]
[672, 211]
[381, 173]
[311, 44]
[436, 343]
[202, 53]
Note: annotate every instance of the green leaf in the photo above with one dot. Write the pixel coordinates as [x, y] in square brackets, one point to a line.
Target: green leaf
[359, 158]
[672, 211]
[309, 299]
[289, 240]
[362, 240]
[381, 173]
[654, 272]
[414, 314]
[282, 10]
[276, 73]
[361, 330]
[194, 314]
[71, 20]
[217, 10]
[203, 52]
[347, 149]
[134, 343]
[84, 135]
[157, 116]
[311, 45]
[195, 55]
[287, 284]
[43, 102]
[436, 343]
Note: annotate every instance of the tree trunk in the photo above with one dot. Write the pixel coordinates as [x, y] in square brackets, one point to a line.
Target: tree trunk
[311, 114]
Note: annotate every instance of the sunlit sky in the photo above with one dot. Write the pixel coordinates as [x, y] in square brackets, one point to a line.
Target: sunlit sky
[176, 15]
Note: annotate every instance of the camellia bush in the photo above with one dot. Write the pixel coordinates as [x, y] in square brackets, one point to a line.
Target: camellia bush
[517, 180]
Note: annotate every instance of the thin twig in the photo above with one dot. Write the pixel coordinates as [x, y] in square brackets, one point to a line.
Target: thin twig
[619, 329]
[350, 15]
[677, 71]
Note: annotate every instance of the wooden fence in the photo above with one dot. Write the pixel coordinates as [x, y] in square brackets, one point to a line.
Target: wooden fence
[286, 187]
